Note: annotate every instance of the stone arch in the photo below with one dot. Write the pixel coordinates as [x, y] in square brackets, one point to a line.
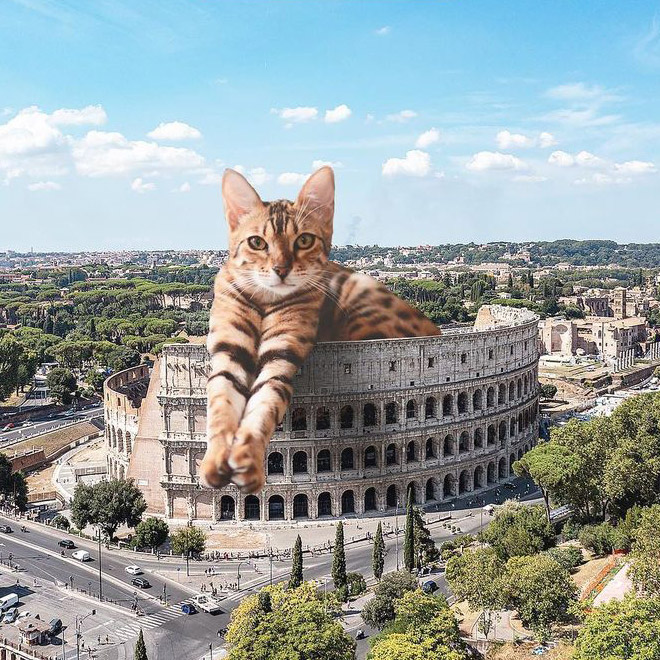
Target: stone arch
[324, 461]
[462, 403]
[346, 417]
[512, 460]
[448, 446]
[347, 502]
[251, 508]
[411, 409]
[478, 438]
[477, 400]
[490, 397]
[129, 443]
[369, 417]
[429, 490]
[525, 384]
[519, 387]
[275, 463]
[520, 453]
[299, 462]
[322, 419]
[392, 496]
[492, 434]
[391, 415]
[464, 482]
[512, 391]
[501, 469]
[300, 506]
[501, 394]
[502, 433]
[120, 441]
[491, 477]
[464, 442]
[370, 457]
[298, 419]
[411, 452]
[512, 427]
[275, 507]
[449, 486]
[370, 499]
[324, 505]
[227, 508]
[478, 481]
[429, 449]
[390, 455]
[447, 405]
[430, 408]
[347, 462]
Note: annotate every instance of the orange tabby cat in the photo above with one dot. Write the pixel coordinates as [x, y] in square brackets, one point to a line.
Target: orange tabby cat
[275, 298]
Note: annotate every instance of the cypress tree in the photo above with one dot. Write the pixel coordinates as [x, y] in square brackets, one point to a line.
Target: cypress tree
[378, 555]
[339, 558]
[296, 578]
[140, 648]
[409, 535]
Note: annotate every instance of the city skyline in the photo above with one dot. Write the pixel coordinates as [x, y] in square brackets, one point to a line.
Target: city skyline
[446, 122]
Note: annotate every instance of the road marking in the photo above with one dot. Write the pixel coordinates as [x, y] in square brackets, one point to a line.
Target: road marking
[149, 621]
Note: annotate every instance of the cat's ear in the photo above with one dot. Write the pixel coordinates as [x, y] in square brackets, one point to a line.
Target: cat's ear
[239, 196]
[318, 194]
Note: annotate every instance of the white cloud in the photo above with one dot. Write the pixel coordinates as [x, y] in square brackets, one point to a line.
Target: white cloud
[297, 115]
[291, 179]
[581, 117]
[340, 113]
[44, 185]
[383, 31]
[105, 154]
[30, 131]
[600, 179]
[89, 115]
[581, 159]
[416, 163]
[508, 140]
[141, 186]
[576, 92]
[529, 178]
[427, 138]
[402, 116]
[635, 167]
[316, 164]
[210, 177]
[561, 159]
[494, 160]
[546, 140]
[587, 159]
[183, 188]
[174, 131]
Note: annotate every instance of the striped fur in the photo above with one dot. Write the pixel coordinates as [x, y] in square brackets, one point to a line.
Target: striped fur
[275, 298]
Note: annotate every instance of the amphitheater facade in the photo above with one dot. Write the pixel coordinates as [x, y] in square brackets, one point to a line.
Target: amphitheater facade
[370, 421]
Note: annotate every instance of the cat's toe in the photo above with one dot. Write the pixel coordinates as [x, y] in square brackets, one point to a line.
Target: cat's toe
[214, 471]
[247, 468]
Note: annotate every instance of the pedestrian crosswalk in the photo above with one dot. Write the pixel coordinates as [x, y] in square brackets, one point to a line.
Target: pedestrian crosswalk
[149, 621]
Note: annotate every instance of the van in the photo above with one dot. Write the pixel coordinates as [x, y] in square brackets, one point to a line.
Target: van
[10, 600]
[81, 555]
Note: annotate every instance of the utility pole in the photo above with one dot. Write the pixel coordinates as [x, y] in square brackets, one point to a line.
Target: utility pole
[396, 532]
[270, 555]
[238, 576]
[100, 572]
[79, 620]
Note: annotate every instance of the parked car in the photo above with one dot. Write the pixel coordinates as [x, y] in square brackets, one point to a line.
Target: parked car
[429, 587]
[81, 555]
[55, 627]
[133, 570]
[7, 427]
[66, 543]
[7, 601]
[141, 583]
[10, 615]
[6, 529]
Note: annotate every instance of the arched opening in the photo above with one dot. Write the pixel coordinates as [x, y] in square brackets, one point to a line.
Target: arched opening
[464, 482]
[323, 461]
[390, 455]
[369, 414]
[276, 507]
[429, 491]
[120, 441]
[129, 443]
[430, 407]
[478, 438]
[501, 394]
[447, 405]
[430, 448]
[477, 400]
[370, 499]
[519, 387]
[300, 462]
[322, 419]
[502, 433]
[501, 469]
[449, 486]
[411, 452]
[227, 508]
[275, 463]
[448, 446]
[391, 496]
[411, 409]
[520, 453]
[347, 459]
[411, 492]
[298, 419]
[490, 397]
[525, 385]
[491, 434]
[512, 391]
[251, 508]
[300, 506]
[325, 504]
[464, 442]
[370, 457]
[478, 477]
[490, 473]
[462, 403]
[512, 460]
[520, 422]
[390, 413]
[347, 502]
[346, 416]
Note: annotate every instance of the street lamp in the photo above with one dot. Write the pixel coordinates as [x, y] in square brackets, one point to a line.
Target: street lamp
[238, 576]
[79, 620]
[396, 532]
[100, 573]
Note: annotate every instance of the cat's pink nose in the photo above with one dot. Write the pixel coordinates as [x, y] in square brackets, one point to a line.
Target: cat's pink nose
[282, 271]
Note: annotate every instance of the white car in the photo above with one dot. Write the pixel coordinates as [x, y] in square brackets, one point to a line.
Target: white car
[81, 555]
[133, 570]
[22, 615]
[206, 603]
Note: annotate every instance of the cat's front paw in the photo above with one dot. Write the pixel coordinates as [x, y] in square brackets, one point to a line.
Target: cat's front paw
[246, 460]
[214, 470]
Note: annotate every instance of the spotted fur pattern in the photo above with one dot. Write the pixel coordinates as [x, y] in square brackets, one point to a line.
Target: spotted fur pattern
[274, 299]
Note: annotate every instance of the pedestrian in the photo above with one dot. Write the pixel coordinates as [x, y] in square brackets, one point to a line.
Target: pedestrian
[107, 639]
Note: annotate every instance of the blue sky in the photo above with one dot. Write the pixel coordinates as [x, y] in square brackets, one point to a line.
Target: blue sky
[448, 121]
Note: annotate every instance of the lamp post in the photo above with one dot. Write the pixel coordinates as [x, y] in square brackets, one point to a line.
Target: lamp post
[100, 569]
[79, 620]
[396, 532]
[270, 557]
[238, 576]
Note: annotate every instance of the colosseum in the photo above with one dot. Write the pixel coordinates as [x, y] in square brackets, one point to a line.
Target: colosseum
[370, 421]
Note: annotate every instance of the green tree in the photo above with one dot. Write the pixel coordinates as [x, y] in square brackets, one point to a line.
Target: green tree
[95, 379]
[379, 611]
[339, 558]
[548, 391]
[10, 352]
[292, 624]
[13, 485]
[600, 539]
[539, 589]
[409, 535]
[296, 578]
[188, 541]
[151, 533]
[627, 629]
[645, 555]
[140, 648]
[108, 504]
[378, 553]
[61, 384]
[424, 545]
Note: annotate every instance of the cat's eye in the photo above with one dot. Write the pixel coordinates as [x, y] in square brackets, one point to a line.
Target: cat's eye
[256, 243]
[305, 241]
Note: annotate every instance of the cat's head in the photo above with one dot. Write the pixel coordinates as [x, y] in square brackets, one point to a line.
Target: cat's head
[276, 248]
